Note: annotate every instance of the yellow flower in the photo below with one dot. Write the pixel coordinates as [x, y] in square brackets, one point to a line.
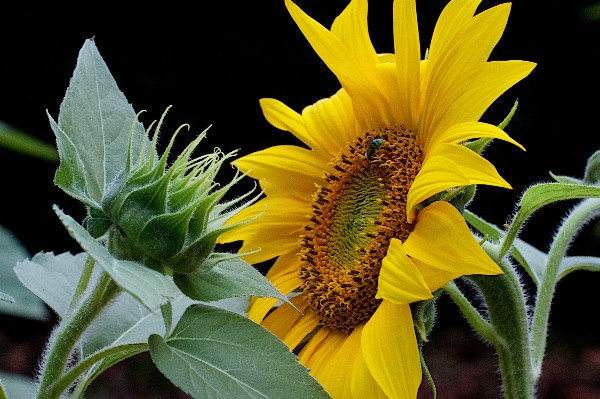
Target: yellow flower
[344, 218]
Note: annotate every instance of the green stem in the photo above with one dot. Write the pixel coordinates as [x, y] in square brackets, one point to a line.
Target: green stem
[69, 331]
[474, 318]
[507, 311]
[106, 363]
[581, 214]
[74, 373]
[83, 282]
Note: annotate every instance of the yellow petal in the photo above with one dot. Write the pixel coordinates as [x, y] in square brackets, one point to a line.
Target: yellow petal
[329, 47]
[478, 169]
[437, 174]
[320, 349]
[400, 282]
[434, 277]
[470, 130]
[331, 123]
[285, 276]
[363, 384]
[442, 240]
[351, 28]
[289, 325]
[285, 169]
[468, 98]
[408, 57]
[470, 47]
[281, 222]
[389, 348]
[447, 166]
[283, 117]
[336, 375]
[259, 307]
[454, 16]
[368, 101]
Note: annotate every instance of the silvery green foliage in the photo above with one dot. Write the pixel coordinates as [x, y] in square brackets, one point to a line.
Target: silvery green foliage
[166, 218]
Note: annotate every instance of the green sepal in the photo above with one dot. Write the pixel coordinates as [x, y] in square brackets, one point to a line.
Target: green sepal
[462, 199]
[194, 256]
[96, 222]
[425, 369]
[481, 144]
[424, 314]
[164, 235]
[142, 205]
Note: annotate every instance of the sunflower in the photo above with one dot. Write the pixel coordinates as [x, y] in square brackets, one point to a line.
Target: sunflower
[347, 218]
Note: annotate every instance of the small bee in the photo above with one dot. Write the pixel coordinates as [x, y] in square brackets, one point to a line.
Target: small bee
[375, 144]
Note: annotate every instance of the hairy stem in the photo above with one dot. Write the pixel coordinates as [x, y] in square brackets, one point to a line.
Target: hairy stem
[475, 319]
[69, 331]
[507, 311]
[74, 373]
[579, 216]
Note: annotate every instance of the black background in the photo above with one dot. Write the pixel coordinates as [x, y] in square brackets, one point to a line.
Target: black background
[214, 61]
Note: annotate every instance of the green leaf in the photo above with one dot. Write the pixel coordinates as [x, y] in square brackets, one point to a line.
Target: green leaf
[18, 386]
[543, 194]
[25, 303]
[213, 353]
[16, 140]
[565, 179]
[228, 278]
[484, 227]
[53, 278]
[148, 286]
[532, 259]
[93, 130]
[130, 323]
[571, 263]
[133, 323]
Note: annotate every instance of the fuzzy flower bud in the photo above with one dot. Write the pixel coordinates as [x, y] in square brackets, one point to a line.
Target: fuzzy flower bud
[168, 218]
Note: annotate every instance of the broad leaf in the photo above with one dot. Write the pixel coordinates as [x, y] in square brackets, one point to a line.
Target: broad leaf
[130, 323]
[532, 259]
[543, 194]
[25, 303]
[18, 386]
[148, 286]
[571, 263]
[213, 353]
[53, 278]
[228, 278]
[133, 323]
[93, 130]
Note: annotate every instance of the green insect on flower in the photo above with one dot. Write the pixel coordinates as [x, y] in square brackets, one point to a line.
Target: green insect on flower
[375, 144]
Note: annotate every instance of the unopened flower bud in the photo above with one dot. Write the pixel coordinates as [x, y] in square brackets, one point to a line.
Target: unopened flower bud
[168, 218]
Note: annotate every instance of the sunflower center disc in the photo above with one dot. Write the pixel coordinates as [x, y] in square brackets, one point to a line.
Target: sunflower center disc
[354, 218]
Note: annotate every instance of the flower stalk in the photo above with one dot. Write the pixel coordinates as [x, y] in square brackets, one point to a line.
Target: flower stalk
[506, 327]
[579, 216]
[68, 333]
